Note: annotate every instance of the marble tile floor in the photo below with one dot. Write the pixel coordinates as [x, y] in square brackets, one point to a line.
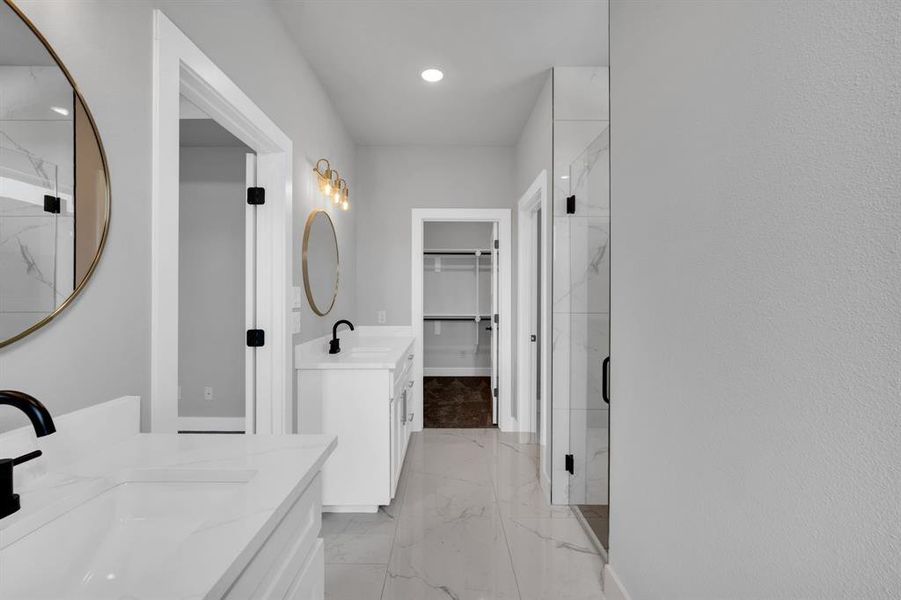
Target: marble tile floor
[469, 522]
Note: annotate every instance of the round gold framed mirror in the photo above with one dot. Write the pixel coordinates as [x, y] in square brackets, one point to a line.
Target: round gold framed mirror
[321, 265]
[54, 182]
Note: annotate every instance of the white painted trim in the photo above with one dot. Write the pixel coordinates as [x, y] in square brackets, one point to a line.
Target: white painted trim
[613, 586]
[181, 68]
[457, 372]
[350, 508]
[501, 216]
[535, 197]
[211, 424]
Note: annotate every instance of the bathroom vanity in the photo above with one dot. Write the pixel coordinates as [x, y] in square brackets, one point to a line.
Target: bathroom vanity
[108, 512]
[364, 395]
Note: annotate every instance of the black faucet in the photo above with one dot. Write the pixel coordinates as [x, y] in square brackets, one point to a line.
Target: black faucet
[334, 346]
[43, 425]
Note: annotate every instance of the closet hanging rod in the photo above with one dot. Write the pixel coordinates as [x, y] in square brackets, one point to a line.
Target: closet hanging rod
[456, 317]
[457, 252]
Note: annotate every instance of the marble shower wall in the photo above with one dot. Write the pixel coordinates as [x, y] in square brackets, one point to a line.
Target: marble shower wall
[581, 287]
[36, 158]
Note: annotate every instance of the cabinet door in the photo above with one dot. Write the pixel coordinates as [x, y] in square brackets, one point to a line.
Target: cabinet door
[408, 425]
[392, 443]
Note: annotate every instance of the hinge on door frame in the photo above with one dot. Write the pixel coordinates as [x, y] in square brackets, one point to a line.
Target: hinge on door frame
[52, 204]
[255, 338]
[256, 196]
[570, 464]
[497, 244]
[495, 392]
[496, 318]
[571, 205]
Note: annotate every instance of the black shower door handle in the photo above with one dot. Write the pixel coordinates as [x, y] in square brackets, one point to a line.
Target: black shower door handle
[604, 379]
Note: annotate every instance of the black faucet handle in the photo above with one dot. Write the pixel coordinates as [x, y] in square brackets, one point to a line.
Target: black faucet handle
[26, 457]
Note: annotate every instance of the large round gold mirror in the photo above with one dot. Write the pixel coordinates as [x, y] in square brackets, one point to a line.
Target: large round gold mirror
[54, 183]
[320, 262]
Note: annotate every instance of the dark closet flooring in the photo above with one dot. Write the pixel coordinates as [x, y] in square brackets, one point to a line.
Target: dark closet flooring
[458, 402]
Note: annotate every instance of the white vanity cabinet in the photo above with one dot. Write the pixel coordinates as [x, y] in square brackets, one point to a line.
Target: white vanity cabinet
[365, 397]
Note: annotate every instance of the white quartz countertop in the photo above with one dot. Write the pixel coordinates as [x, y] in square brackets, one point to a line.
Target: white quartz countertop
[154, 516]
[357, 352]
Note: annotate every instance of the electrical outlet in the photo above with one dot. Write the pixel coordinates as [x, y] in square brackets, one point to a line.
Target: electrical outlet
[208, 392]
[295, 322]
[382, 317]
[298, 297]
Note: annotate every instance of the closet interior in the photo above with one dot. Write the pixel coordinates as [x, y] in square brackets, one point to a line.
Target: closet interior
[460, 314]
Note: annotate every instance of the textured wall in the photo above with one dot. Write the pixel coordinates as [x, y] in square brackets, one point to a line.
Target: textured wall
[756, 299]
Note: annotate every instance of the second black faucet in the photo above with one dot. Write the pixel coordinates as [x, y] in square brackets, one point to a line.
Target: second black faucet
[334, 346]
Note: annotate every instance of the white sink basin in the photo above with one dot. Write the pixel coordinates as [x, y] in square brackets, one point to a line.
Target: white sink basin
[369, 349]
[87, 552]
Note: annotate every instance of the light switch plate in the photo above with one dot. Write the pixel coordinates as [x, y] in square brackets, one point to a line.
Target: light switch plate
[208, 392]
[295, 322]
[382, 317]
[298, 296]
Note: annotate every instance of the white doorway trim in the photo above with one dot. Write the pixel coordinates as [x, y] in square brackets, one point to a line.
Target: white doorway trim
[181, 68]
[535, 198]
[502, 217]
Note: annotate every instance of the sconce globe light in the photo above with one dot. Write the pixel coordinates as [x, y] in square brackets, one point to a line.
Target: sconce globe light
[338, 192]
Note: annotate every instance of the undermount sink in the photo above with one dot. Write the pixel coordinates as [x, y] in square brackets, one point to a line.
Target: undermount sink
[85, 551]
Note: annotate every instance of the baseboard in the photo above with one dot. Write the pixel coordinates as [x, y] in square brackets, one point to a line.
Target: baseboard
[544, 482]
[457, 372]
[211, 423]
[613, 587]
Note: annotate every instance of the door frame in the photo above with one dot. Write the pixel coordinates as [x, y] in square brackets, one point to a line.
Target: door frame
[501, 216]
[532, 200]
[181, 68]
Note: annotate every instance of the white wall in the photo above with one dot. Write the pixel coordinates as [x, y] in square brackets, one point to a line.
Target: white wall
[392, 180]
[99, 348]
[756, 341]
[211, 281]
[534, 149]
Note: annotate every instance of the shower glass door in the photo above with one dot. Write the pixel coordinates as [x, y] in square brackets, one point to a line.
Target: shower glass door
[581, 284]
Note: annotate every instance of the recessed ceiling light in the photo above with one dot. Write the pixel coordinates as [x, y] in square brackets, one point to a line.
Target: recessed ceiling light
[60, 110]
[432, 75]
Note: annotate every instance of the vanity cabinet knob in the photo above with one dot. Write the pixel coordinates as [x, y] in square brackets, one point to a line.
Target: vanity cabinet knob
[410, 383]
[409, 357]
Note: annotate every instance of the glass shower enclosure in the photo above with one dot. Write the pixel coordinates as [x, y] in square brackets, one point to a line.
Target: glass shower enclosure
[581, 293]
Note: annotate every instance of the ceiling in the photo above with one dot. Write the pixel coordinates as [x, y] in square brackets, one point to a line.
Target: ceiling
[494, 55]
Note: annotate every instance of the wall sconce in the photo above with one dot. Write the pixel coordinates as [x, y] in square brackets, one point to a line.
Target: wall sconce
[328, 177]
[331, 184]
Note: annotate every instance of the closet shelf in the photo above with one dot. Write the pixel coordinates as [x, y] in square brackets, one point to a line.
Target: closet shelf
[458, 252]
[456, 317]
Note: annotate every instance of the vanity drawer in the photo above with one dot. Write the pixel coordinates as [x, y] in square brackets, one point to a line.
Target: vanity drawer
[404, 365]
[273, 569]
